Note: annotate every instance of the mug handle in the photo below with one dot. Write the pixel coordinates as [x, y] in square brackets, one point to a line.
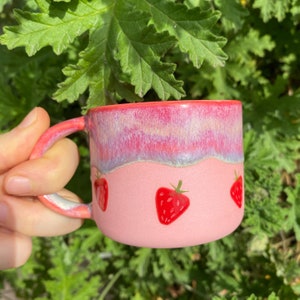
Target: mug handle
[55, 202]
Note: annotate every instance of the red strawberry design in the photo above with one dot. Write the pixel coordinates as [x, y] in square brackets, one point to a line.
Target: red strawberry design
[101, 189]
[236, 191]
[171, 204]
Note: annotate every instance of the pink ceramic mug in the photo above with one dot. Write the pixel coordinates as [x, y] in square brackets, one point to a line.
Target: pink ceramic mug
[164, 174]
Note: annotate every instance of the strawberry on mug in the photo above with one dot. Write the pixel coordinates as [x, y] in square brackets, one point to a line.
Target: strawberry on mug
[22, 216]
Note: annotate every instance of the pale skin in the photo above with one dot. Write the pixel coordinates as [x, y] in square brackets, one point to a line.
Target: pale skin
[22, 216]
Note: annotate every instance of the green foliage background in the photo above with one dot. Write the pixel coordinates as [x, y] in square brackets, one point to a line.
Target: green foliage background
[85, 53]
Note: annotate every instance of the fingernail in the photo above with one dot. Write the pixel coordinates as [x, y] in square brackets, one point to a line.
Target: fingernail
[18, 185]
[29, 119]
[3, 213]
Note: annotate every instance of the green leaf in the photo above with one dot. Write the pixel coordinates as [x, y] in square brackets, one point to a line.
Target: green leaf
[141, 261]
[270, 9]
[295, 9]
[258, 244]
[281, 9]
[244, 50]
[24, 82]
[202, 4]
[253, 43]
[121, 90]
[233, 13]
[273, 297]
[3, 3]
[139, 49]
[223, 90]
[293, 220]
[192, 29]
[266, 8]
[9, 103]
[120, 50]
[57, 25]
[91, 72]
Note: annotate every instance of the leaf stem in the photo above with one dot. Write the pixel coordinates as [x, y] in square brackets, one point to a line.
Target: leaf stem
[110, 285]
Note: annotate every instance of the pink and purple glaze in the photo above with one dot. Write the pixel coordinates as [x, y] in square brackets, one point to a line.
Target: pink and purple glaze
[176, 134]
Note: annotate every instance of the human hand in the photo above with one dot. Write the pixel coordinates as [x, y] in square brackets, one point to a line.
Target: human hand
[22, 215]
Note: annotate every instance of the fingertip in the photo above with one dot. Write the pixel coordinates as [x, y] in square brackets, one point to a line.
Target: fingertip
[15, 249]
[23, 251]
[42, 114]
[36, 114]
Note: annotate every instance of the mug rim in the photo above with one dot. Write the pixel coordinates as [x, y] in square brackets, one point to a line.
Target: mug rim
[164, 103]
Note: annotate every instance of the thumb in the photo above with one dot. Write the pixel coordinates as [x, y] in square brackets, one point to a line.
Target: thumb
[17, 144]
